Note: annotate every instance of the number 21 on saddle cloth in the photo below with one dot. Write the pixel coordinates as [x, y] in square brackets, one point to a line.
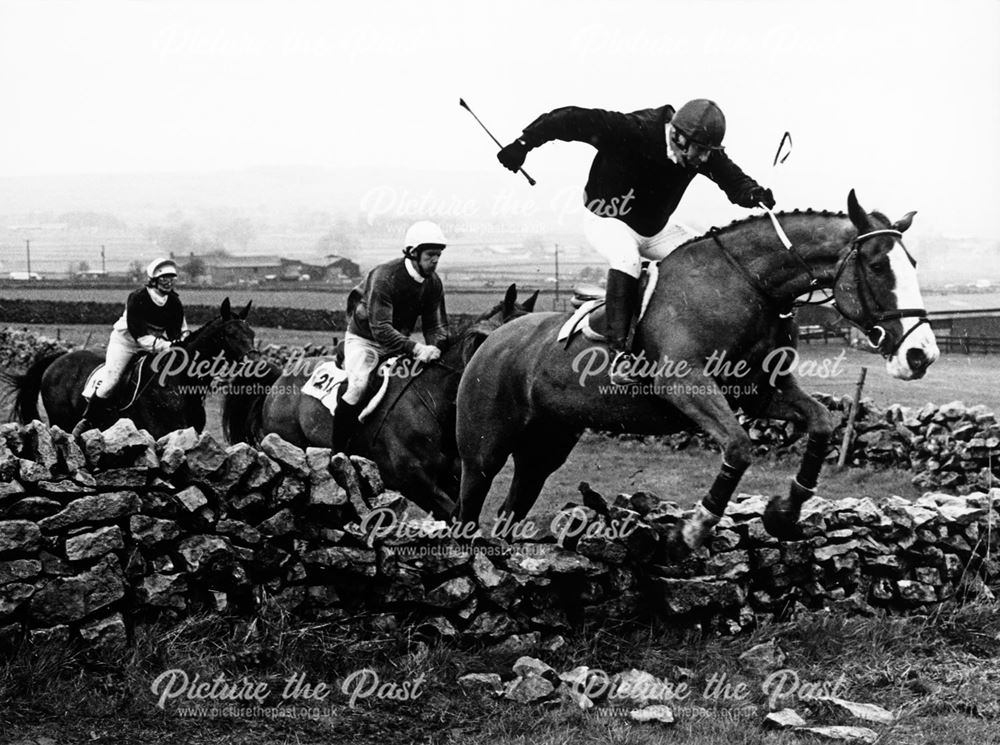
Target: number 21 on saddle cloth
[328, 378]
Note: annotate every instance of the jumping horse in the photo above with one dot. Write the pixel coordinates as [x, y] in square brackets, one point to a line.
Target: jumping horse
[410, 435]
[164, 393]
[720, 307]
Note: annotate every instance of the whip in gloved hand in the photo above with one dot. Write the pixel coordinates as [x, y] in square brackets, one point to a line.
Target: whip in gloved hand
[513, 155]
[760, 196]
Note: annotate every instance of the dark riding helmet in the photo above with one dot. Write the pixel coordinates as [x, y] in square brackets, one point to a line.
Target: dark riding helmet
[702, 122]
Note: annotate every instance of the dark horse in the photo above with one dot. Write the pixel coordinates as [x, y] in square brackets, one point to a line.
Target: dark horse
[718, 311]
[172, 390]
[410, 435]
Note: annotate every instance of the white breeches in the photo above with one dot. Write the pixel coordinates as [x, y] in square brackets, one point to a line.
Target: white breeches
[121, 348]
[625, 249]
[361, 356]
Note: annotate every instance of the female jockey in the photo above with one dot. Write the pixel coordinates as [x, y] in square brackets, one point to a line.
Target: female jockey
[153, 319]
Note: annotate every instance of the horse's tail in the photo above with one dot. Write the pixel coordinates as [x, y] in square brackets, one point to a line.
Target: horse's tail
[27, 386]
[242, 406]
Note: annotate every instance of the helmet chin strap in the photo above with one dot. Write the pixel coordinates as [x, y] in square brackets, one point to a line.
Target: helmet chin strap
[414, 259]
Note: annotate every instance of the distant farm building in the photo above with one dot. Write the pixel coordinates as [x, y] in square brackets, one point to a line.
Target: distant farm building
[228, 270]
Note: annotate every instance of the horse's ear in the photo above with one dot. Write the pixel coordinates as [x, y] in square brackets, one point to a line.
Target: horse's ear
[529, 304]
[857, 214]
[904, 222]
[242, 315]
[510, 299]
[226, 311]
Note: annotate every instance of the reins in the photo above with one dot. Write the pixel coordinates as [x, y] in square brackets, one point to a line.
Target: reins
[876, 317]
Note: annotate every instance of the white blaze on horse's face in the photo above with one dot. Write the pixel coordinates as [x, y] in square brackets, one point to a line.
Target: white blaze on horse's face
[919, 349]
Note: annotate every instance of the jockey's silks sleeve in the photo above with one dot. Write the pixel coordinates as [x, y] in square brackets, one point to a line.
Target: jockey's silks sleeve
[632, 178]
[391, 304]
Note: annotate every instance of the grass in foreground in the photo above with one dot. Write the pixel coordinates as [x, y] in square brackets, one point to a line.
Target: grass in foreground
[939, 674]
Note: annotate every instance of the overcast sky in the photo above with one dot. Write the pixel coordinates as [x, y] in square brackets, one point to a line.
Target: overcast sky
[898, 99]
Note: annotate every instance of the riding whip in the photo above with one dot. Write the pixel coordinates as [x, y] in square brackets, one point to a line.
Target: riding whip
[464, 105]
[780, 157]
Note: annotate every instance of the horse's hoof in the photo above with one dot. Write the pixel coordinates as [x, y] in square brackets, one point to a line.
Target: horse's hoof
[677, 548]
[781, 520]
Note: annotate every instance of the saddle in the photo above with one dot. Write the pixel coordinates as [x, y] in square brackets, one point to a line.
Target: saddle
[329, 378]
[590, 319]
[133, 381]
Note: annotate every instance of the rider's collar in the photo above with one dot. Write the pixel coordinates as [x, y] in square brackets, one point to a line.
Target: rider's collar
[412, 270]
[160, 298]
[670, 150]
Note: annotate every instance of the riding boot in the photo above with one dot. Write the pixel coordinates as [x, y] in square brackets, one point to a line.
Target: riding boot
[621, 297]
[345, 424]
[94, 415]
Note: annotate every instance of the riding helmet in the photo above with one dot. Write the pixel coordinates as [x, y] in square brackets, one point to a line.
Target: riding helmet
[160, 267]
[422, 235]
[701, 121]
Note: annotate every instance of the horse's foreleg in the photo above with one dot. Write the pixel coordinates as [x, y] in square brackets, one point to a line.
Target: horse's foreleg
[542, 451]
[791, 403]
[423, 492]
[712, 414]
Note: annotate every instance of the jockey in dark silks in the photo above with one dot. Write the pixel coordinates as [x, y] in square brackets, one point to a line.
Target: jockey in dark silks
[393, 297]
[152, 321]
[644, 163]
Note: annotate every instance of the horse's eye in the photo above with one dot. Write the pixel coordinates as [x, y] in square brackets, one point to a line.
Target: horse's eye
[880, 267]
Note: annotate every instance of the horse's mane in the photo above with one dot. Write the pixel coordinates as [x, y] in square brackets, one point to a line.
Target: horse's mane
[466, 329]
[198, 332]
[744, 221]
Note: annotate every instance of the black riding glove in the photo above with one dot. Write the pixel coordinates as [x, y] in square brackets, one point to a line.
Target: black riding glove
[512, 157]
[757, 195]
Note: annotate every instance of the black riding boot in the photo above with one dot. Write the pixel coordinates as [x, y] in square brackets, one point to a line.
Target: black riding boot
[94, 415]
[621, 298]
[345, 424]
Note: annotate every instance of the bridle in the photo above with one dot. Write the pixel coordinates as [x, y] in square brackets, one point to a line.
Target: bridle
[873, 327]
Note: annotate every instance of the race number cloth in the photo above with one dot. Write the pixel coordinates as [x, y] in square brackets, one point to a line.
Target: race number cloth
[97, 378]
[94, 381]
[326, 380]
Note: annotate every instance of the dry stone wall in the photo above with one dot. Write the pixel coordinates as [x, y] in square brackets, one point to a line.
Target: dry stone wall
[124, 529]
[953, 447]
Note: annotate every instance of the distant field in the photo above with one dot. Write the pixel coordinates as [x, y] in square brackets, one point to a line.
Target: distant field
[459, 300]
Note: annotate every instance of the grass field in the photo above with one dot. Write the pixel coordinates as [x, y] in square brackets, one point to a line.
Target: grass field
[939, 675]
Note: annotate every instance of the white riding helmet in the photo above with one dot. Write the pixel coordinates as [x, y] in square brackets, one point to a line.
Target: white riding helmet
[160, 267]
[423, 233]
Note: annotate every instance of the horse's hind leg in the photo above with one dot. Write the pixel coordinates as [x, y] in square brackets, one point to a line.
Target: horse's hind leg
[538, 455]
[791, 403]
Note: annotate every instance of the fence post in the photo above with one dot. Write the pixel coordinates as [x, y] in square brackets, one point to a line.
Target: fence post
[852, 419]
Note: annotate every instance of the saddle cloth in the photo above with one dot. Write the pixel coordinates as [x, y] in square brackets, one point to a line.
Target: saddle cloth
[129, 385]
[589, 318]
[328, 378]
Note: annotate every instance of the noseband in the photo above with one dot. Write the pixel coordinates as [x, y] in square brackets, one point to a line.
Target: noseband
[874, 330]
